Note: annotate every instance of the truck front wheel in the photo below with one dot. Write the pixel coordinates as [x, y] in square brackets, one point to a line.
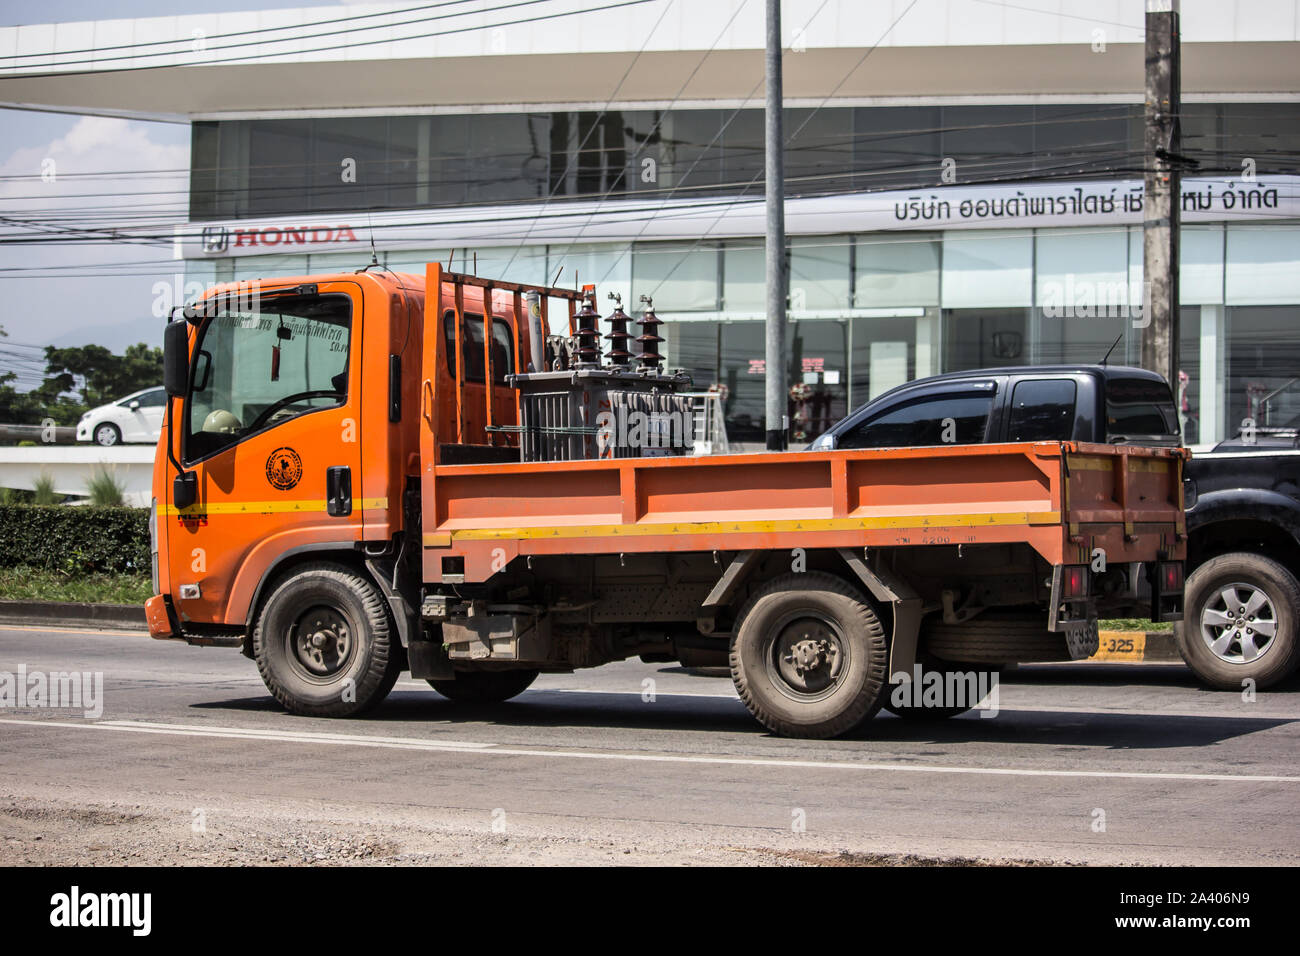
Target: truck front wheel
[809, 658]
[1240, 621]
[323, 644]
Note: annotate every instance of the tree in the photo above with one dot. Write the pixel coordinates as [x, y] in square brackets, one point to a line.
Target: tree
[77, 379]
[16, 408]
[98, 374]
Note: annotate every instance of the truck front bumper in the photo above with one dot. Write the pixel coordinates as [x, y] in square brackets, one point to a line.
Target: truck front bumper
[163, 624]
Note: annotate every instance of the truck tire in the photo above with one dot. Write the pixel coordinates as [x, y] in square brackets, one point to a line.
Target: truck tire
[809, 656]
[923, 712]
[485, 687]
[323, 644]
[1240, 622]
[994, 639]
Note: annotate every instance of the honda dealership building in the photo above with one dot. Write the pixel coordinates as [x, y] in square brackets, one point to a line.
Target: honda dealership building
[964, 176]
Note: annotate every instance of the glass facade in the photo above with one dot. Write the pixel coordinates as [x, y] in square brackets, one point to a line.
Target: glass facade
[253, 168]
[869, 311]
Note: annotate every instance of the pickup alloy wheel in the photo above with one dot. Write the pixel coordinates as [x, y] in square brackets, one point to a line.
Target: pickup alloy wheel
[1240, 621]
[809, 656]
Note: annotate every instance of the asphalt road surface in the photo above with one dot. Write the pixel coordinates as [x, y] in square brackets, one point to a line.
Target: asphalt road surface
[191, 761]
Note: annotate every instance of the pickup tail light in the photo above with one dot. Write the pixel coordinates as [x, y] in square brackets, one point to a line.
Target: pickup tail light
[1074, 581]
[1171, 576]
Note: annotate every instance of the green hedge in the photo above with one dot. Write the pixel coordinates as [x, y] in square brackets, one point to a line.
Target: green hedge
[75, 540]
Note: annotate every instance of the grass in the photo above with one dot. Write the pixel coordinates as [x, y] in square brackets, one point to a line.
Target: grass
[1135, 624]
[105, 490]
[43, 492]
[34, 584]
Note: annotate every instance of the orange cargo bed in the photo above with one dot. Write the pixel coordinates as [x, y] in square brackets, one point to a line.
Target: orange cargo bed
[1061, 498]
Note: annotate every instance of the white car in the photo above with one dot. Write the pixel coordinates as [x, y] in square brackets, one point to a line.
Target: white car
[136, 418]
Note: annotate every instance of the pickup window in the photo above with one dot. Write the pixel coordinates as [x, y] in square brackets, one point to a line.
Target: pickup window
[957, 418]
[1137, 407]
[1042, 410]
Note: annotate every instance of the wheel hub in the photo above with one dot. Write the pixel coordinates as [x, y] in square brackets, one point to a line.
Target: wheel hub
[323, 642]
[808, 656]
[1239, 623]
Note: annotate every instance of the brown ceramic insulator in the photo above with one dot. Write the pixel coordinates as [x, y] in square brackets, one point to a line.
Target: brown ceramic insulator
[588, 334]
[649, 338]
[618, 335]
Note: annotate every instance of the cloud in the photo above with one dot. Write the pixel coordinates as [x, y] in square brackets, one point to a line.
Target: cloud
[102, 173]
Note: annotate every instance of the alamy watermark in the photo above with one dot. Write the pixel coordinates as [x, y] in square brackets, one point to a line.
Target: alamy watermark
[943, 689]
[625, 428]
[58, 690]
[1088, 299]
[74, 909]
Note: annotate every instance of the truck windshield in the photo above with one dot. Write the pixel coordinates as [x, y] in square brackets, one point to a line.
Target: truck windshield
[257, 368]
[1139, 408]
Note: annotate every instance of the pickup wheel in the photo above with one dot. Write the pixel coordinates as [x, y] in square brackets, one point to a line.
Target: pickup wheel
[1240, 622]
[809, 657]
[323, 644]
[485, 687]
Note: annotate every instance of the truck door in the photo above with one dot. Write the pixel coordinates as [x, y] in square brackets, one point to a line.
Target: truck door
[271, 428]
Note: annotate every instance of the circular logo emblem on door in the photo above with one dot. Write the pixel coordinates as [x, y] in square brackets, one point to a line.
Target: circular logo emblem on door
[284, 468]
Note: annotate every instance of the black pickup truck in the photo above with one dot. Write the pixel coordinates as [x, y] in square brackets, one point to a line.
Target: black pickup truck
[1243, 535]
[1243, 521]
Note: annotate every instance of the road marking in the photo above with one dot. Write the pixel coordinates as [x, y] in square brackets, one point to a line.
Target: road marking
[460, 746]
[54, 628]
[250, 733]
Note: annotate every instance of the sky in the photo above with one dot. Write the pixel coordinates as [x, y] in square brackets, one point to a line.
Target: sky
[102, 293]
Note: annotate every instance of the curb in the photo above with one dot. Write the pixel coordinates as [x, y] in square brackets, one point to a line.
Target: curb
[1135, 647]
[65, 614]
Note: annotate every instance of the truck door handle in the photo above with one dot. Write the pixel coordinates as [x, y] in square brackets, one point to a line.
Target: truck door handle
[338, 491]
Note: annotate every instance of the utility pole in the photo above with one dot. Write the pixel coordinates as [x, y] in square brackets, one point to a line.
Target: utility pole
[774, 364]
[1162, 206]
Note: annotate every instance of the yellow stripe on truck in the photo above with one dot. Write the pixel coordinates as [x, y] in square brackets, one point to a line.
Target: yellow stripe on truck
[297, 505]
[441, 539]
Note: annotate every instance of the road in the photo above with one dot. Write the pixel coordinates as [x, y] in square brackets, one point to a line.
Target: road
[192, 762]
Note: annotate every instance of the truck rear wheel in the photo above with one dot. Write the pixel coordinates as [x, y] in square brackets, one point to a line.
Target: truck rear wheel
[809, 657]
[323, 644]
[1240, 622]
[485, 687]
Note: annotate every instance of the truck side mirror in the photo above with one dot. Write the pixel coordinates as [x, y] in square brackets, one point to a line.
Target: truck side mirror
[176, 358]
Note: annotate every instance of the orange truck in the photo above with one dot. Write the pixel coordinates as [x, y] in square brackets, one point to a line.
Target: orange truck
[372, 472]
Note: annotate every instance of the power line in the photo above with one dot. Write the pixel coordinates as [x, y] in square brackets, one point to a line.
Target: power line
[260, 43]
[345, 46]
[243, 33]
